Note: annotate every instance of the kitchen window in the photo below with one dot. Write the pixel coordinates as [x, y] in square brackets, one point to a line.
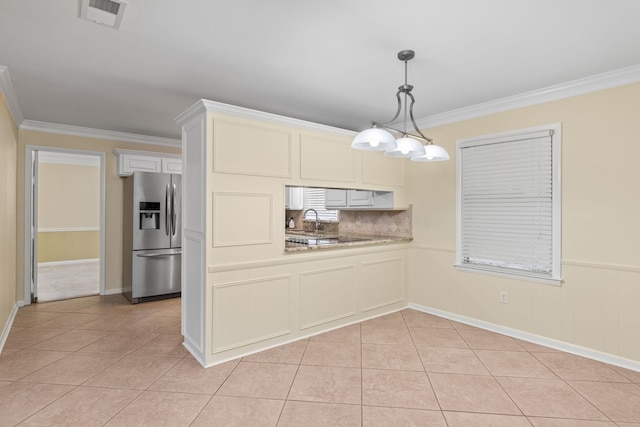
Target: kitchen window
[508, 204]
[313, 198]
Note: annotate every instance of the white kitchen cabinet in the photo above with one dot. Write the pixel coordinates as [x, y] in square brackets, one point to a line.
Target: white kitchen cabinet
[359, 198]
[171, 165]
[335, 198]
[130, 161]
[294, 198]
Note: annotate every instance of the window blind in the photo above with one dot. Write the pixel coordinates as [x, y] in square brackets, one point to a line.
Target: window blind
[313, 198]
[506, 204]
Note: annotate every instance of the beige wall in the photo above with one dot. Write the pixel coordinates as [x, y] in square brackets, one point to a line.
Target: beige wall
[68, 245]
[598, 305]
[8, 146]
[68, 200]
[114, 194]
[68, 196]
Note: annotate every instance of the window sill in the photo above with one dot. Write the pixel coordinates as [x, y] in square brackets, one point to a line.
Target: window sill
[491, 272]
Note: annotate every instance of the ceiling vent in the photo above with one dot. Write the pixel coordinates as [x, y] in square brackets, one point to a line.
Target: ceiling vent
[103, 12]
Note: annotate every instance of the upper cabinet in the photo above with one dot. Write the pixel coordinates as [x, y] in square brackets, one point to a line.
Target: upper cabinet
[130, 161]
[171, 165]
[294, 198]
[360, 198]
[337, 198]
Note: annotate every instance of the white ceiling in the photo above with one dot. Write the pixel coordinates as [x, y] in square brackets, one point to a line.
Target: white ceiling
[331, 61]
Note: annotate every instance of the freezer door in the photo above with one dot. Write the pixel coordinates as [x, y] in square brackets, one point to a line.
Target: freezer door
[176, 211]
[151, 197]
[155, 273]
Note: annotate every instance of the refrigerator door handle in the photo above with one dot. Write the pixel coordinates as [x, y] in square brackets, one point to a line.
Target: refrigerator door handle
[166, 211]
[158, 255]
[173, 210]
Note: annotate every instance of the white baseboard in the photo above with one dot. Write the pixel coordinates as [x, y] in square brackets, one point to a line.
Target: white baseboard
[69, 262]
[7, 326]
[535, 339]
[113, 291]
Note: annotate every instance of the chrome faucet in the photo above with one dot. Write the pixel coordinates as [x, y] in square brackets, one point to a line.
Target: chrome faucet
[304, 215]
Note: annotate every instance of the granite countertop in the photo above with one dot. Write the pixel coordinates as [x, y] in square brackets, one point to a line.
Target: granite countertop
[321, 241]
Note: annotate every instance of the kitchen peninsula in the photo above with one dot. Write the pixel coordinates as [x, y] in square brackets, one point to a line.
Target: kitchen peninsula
[243, 288]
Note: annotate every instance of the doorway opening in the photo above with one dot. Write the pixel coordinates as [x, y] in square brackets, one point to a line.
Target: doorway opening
[64, 224]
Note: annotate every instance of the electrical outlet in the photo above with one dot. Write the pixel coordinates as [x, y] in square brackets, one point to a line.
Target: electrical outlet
[503, 297]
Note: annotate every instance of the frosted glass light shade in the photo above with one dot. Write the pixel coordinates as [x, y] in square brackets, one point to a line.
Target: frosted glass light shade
[406, 147]
[374, 139]
[433, 153]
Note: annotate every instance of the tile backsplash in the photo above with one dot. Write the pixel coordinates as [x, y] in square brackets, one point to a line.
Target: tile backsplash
[375, 222]
[380, 223]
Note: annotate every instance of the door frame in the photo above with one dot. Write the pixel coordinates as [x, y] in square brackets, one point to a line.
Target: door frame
[29, 253]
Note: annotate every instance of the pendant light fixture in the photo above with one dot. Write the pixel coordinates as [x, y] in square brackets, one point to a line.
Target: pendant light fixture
[377, 138]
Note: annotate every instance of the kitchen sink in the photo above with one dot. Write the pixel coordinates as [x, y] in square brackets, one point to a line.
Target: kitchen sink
[318, 241]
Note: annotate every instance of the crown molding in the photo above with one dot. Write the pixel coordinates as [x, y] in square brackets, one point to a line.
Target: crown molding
[218, 107]
[6, 87]
[577, 87]
[98, 133]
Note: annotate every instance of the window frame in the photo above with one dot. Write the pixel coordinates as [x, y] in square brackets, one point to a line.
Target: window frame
[555, 278]
[324, 214]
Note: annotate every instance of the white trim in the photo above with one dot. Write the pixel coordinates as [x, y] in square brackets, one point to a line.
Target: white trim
[533, 338]
[97, 133]
[6, 87]
[312, 255]
[68, 262]
[196, 354]
[509, 275]
[121, 151]
[113, 291]
[602, 265]
[204, 105]
[433, 248]
[27, 213]
[68, 159]
[569, 262]
[7, 326]
[607, 80]
[64, 230]
[555, 130]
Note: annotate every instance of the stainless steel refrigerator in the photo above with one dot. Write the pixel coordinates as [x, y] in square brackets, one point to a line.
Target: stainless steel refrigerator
[152, 256]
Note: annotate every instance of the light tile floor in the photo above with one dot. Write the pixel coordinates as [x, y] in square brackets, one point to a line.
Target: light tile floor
[100, 361]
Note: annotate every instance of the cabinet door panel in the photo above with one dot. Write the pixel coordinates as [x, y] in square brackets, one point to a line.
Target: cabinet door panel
[360, 198]
[171, 165]
[134, 163]
[335, 198]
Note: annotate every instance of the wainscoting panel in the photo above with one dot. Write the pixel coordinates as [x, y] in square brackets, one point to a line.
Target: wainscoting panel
[327, 158]
[246, 148]
[382, 283]
[250, 311]
[327, 295]
[242, 219]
